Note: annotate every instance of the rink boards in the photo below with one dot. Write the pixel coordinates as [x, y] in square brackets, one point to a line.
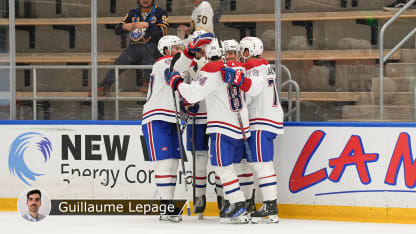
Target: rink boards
[333, 171]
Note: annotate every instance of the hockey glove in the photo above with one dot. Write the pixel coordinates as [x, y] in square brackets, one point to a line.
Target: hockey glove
[189, 108]
[204, 39]
[173, 79]
[233, 76]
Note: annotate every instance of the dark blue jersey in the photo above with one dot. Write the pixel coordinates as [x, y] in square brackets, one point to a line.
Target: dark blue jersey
[158, 26]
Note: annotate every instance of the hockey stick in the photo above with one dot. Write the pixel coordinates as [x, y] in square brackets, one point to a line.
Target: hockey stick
[179, 133]
[233, 98]
[193, 162]
[185, 124]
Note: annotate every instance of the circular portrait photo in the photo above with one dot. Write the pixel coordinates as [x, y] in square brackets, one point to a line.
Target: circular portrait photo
[34, 205]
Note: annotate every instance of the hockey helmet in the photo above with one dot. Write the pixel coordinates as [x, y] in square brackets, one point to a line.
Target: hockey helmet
[231, 45]
[168, 42]
[213, 49]
[253, 44]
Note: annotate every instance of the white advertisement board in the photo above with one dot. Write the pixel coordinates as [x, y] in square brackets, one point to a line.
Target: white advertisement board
[342, 164]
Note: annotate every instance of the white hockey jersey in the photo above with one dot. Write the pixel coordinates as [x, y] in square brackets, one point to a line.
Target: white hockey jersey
[221, 108]
[201, 116]
[203, 16]
[264, 109]
[159, 104]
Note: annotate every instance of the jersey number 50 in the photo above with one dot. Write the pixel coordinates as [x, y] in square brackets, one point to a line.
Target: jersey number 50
[202, 18]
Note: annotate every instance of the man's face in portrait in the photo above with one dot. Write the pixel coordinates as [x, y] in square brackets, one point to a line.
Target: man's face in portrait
[33, 203]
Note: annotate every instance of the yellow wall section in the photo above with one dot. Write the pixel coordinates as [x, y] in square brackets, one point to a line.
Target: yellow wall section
[316, 212]
[337, 213]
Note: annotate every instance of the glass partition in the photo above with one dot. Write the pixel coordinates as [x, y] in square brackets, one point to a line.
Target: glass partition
[51, 35]
[331, 49]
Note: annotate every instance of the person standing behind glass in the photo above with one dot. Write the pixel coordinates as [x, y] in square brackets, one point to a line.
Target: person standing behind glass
[202, 19]
[146, 25]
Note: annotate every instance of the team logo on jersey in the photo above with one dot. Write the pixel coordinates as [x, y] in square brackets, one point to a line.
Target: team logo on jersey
[30, 145]
[137, 34]
[255, 72]
[202, 80]
[154, 19]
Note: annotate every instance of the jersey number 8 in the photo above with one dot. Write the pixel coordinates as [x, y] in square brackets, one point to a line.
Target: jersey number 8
[235, 103]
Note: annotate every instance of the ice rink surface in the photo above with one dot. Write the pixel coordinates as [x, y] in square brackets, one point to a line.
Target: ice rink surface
[12, 223]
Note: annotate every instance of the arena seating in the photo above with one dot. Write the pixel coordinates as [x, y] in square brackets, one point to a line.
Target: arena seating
[320, 51]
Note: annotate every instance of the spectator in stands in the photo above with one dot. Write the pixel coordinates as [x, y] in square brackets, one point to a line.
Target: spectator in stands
[201, 19]
[395, 6]
[33, 203]
[146, 24]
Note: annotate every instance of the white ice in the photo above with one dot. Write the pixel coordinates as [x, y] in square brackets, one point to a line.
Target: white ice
[11, 222]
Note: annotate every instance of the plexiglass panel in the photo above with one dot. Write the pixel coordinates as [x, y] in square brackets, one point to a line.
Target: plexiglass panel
[331, 49]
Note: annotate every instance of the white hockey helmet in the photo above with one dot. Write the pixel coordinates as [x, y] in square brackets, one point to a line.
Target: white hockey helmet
[213, 49]
[253, 44]
[231, 45]
[168, 42]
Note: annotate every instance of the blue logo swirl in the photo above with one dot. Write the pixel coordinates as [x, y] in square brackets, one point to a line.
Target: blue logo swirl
[17, 165]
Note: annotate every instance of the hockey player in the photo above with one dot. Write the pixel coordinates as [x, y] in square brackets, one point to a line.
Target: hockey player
[158, 124]
[266, 121]
[222, 124]
[195, 133]
[202, 19]
[245, 173]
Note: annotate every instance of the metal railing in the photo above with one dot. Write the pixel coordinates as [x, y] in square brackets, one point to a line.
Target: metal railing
[383, 58]
[289, 83]
[35, 98]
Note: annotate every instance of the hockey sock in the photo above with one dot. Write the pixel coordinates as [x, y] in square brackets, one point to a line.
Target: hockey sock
[245, 177]
[230, 184]
[267, 180]
[165, 176]
[201, 161]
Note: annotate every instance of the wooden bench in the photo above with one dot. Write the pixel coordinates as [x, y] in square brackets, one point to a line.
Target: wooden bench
[241, 22]
[288, 55]
[325, 96]
[29, 95]
[247, 18]
[304, 96]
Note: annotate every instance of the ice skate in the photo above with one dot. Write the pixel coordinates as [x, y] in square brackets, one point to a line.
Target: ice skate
[171, 218]
[220, 201]
[250, 205]
[224, 206]
[199, 206]
[236, 213]
[266, 214]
